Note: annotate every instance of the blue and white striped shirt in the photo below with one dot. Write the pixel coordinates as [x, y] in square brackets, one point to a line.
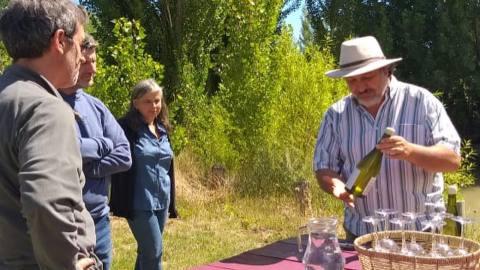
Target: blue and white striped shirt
[348, 132]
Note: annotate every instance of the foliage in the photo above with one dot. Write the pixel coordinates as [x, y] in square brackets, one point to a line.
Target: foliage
[297, 99]
[128, 64]
[306, 37]
[5, 59]
[173, 26]
[247, 98]
[438, 40]
[465, 176]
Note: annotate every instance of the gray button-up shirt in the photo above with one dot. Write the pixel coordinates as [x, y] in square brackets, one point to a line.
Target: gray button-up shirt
[348, 132]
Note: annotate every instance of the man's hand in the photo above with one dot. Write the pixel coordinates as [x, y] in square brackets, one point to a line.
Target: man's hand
[341, 193]
[330, 182]
[395, 147]
[84, 264]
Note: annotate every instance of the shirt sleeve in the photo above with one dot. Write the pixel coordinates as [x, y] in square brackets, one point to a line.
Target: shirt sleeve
[51, 186]
[327, 148]
[118, 159]
[94, 148]
[442, 129]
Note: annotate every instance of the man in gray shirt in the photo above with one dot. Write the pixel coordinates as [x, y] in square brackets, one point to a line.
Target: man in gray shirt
[43, 221]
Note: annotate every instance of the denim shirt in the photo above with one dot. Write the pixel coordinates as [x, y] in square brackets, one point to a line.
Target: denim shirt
[153, 157]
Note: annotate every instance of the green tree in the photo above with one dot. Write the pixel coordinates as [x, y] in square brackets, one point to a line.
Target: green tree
[129, 63]
[246, 96]
[438, 40]
[306, 36]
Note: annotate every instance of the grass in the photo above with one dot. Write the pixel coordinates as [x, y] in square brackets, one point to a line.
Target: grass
[216, 225]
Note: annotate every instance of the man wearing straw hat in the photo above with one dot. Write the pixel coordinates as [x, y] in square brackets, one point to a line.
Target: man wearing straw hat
[424, 145]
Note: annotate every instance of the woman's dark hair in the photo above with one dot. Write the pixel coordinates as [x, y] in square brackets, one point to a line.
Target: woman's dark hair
[134, 117]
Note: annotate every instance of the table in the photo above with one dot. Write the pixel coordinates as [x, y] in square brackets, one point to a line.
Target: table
[280, 255]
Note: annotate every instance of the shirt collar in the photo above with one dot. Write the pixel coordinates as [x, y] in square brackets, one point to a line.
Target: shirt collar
[21, 71]
[160, 127]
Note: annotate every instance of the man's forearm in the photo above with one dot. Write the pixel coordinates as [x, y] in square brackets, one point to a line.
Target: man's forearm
[436, 158]
[118, 160]
[95, 148]
[331, 183]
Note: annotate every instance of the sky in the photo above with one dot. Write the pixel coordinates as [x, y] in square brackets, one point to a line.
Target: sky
[295, 20]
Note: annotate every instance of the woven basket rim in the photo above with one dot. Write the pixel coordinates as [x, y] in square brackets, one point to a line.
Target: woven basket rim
[363, 251]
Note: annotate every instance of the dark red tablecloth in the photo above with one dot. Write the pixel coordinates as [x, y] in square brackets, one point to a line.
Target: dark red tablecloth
[280, 255]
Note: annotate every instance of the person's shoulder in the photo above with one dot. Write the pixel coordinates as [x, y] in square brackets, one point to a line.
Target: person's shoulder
[28, 93]
[340, 105]
[415, 92]
[92, 99]
[125, 123]
[412, 89]
[96, 103]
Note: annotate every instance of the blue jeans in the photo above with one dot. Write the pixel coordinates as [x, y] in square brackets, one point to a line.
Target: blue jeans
[147, 228]
[103, 247]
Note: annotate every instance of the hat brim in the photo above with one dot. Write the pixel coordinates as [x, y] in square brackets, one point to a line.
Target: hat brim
[361, 69]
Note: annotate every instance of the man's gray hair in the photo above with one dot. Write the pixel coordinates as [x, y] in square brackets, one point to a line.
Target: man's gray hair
[27, 26]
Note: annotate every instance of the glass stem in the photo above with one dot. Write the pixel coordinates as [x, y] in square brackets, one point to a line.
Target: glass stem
[404, 243]
[434, 244]
[462, 228]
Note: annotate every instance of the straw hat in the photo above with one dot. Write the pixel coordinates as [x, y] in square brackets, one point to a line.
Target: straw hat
[359, 56]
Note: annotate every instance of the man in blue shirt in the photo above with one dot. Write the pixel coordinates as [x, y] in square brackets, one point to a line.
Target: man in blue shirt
[104, 147]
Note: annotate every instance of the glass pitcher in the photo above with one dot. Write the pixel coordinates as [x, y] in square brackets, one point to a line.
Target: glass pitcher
[323, 251]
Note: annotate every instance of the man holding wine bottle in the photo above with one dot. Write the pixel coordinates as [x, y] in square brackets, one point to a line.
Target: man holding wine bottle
[425, 142]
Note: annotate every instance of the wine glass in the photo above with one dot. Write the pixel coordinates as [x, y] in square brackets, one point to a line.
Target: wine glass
[386, 242]
[442, 247]
[461, 250]
[401, 222]
[374, 221]
[431, 224]
[413, 247]
[435, 223]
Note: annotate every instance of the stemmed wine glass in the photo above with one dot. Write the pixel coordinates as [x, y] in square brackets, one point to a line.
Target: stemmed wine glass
[413, 247]
[386, 242]
[374, 221]
[436, 223]
[442, 247]
[401, 222]
[461, 250]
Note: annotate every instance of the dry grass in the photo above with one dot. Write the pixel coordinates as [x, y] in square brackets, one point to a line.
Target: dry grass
[217, 224]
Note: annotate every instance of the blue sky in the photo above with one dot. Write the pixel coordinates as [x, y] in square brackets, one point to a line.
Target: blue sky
[295, 20]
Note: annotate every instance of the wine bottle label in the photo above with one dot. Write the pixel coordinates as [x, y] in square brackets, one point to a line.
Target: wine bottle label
[369, 185]
[351, 180]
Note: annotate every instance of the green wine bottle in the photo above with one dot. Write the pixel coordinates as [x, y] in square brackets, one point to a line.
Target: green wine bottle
[364, 175]
[452, 228]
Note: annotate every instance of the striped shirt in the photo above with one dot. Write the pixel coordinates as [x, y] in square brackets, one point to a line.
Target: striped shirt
[348, 132]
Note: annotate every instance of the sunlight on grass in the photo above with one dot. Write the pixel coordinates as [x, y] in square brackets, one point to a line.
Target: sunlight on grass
[216, 224]
[218, 227]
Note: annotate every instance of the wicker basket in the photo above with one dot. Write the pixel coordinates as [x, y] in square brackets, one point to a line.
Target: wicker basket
[380, 260]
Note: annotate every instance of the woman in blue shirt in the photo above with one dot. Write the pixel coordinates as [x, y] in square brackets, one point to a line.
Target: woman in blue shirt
[145, 194]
